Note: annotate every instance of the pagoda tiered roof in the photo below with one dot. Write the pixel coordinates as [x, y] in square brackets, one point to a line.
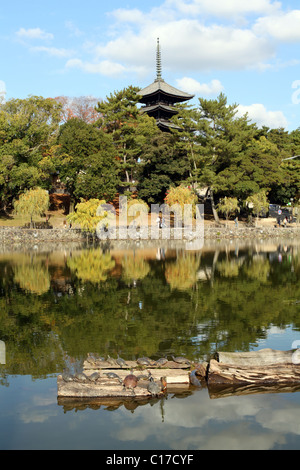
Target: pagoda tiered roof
[162, 88]
[159, 98]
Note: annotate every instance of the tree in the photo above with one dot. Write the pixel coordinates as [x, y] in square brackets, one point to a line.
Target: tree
[258, 203]
[33, 202]
[288, 187]
[130, 130]
[181, 195]
[28, 128]
[162, 167]
[228, 206]
[87, 162]
[186, 120]
[82, 107]
[236, 160]
[221, 136]
[86, 215]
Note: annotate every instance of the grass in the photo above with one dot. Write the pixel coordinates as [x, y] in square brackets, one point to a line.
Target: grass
[57, 219]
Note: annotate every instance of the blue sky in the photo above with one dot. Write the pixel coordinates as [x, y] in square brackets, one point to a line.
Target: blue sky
[248, 50]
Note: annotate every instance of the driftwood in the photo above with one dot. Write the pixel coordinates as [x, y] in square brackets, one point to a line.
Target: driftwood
[271, 374]
[256, 358]
[264, 367]
[106, 387]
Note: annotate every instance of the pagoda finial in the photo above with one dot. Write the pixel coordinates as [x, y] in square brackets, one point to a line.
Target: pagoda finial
[158, 61]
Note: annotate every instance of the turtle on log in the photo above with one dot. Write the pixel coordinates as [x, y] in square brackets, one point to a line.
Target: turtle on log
[94, 377]
[181, 360]
[145, 361]
[130, 381]
[121, 362]
[155, 388]
[112, 375]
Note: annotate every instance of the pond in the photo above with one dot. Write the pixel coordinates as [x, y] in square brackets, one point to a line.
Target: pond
[59, 303]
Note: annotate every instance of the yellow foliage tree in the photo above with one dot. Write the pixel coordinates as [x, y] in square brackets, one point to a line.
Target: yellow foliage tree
[88, 215]
[181, 195]
[32, 203]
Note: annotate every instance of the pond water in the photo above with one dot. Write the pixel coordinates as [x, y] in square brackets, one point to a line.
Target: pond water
[57, 304]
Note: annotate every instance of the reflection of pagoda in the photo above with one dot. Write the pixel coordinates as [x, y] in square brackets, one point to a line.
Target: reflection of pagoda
[159, 98]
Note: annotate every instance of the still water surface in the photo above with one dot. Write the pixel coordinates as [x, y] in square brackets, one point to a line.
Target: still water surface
[58, 304]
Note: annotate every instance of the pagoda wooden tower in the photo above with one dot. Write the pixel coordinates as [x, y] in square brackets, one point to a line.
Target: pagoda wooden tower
[159, 98]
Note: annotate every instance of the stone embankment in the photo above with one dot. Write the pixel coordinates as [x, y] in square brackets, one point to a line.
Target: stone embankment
[252, 232]
[20, 236]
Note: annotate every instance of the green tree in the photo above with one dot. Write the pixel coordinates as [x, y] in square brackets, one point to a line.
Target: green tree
[289, 186]
[130, 130]
[186, 120]
[32, 203]
[28, 127]
[236, 160]
[87, 162]
[222, 136]
[162, 167]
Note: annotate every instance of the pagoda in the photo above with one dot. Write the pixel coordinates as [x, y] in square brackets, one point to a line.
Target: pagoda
[159, 98]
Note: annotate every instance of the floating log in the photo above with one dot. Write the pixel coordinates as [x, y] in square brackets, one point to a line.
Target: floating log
[264, 367]
[112, 387]
[256, 358]
[272, 374]
[93, 390]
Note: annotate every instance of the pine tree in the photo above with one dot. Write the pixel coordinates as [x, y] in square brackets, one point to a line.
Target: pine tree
[130, 130]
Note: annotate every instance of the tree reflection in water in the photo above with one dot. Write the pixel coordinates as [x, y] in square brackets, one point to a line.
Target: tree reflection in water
[58, 306]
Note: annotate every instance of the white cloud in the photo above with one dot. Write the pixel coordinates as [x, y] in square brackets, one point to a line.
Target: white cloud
[34, 33]
[190, 85]
[228, 8]
[104, 67]
[189, 45]
[283, 26]
[258, 114]
[53, 51]
[123, 15]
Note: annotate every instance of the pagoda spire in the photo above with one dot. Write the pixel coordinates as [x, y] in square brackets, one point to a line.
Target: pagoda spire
[158, 61]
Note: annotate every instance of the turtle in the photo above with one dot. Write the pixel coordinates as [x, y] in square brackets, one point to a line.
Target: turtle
[110, 360]
[153, 387]
[81, 377]
[112, 375]
[144, 361]
[181, 360]
[162, 361]
[94, 377]
[99, 358]
[194, 380]
[121, 362]
[130, 381]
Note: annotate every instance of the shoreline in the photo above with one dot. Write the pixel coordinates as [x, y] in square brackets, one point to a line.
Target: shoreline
[10, 236]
